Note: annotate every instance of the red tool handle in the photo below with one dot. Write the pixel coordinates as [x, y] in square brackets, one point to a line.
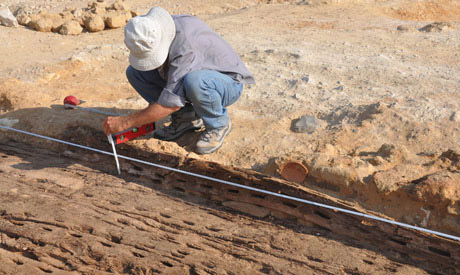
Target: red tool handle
[133, 133]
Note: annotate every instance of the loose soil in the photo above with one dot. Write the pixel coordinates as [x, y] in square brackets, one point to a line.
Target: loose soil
[386, 87]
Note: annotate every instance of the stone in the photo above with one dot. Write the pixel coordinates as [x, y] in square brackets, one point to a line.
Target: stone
[307, 124]
[98, 10]
[248, 208]
[22, 10]
[451, 155]
[77, 13]
[40, 23]
[436, 27]
[71, 28]
[134, 13]
[391, 152]
[439, 189]
[98, 4]
[116, 20]
[120, 6]
[94, 23]
[455, 117]
[7, 18]
[397, 177]
[67, 16]
[402, 28]
[57, 21]
[23, 19]
[46, 22]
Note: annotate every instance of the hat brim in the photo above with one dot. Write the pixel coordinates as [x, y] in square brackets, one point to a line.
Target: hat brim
[154, 60]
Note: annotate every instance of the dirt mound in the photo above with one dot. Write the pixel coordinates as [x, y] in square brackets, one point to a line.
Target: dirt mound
[441, 10]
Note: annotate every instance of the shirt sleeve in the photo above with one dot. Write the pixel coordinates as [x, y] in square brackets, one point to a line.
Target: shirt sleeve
[173, 95]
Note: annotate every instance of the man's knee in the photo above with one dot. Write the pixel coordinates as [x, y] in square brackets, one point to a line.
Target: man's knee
[194, 85]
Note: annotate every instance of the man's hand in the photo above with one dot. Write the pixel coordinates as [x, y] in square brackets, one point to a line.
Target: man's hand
[114, 124]
[154, 112]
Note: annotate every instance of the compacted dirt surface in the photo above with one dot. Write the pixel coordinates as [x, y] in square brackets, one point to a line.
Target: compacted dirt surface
[379, 77]
[63, 216]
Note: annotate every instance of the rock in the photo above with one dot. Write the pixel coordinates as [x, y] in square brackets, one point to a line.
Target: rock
[71, 28]
[46, 22]
[391, 152]
[247, 208]
[438, 189]
[99, 11]
[451, 155]
[40, 23]
[120, 6]
[134, 13]
[455, 117]
[84, 17]
[396, 177]
[339, 88]
[336, 175]
[377, 161]
[402, 28]
[23, 19]
[7, 18]
[307, 124]
[22, 10]
[67, 16]
[116, 20]
[436, 27]
[369, 112]
[306, 78]
[77, 13]
[98, 4]
[94, 23]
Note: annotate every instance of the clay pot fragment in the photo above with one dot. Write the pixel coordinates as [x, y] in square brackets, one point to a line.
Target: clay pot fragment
[293, 171]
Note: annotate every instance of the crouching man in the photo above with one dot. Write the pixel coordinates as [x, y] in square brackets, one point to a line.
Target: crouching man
[183, 68]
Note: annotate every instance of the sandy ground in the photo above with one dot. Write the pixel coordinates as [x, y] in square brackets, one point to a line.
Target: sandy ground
[85, 221]
[386, 91]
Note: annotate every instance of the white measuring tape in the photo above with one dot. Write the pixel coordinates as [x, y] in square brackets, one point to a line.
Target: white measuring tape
[336, 209]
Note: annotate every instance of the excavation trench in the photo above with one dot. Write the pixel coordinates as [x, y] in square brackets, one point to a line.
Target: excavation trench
[430, 252]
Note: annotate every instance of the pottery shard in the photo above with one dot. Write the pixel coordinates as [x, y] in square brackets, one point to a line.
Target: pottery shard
[94, 24]
[118, 19]
[247, 208]
[71, 28]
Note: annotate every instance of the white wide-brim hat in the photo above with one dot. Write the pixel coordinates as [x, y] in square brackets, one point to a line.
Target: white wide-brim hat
[148, 38]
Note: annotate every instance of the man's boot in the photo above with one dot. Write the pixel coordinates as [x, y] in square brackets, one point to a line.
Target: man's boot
[182, 121]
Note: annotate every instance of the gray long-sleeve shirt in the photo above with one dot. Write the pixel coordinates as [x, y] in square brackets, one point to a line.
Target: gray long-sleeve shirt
[197, 47]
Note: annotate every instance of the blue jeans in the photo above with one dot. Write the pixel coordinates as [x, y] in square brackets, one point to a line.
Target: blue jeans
[210, 92]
